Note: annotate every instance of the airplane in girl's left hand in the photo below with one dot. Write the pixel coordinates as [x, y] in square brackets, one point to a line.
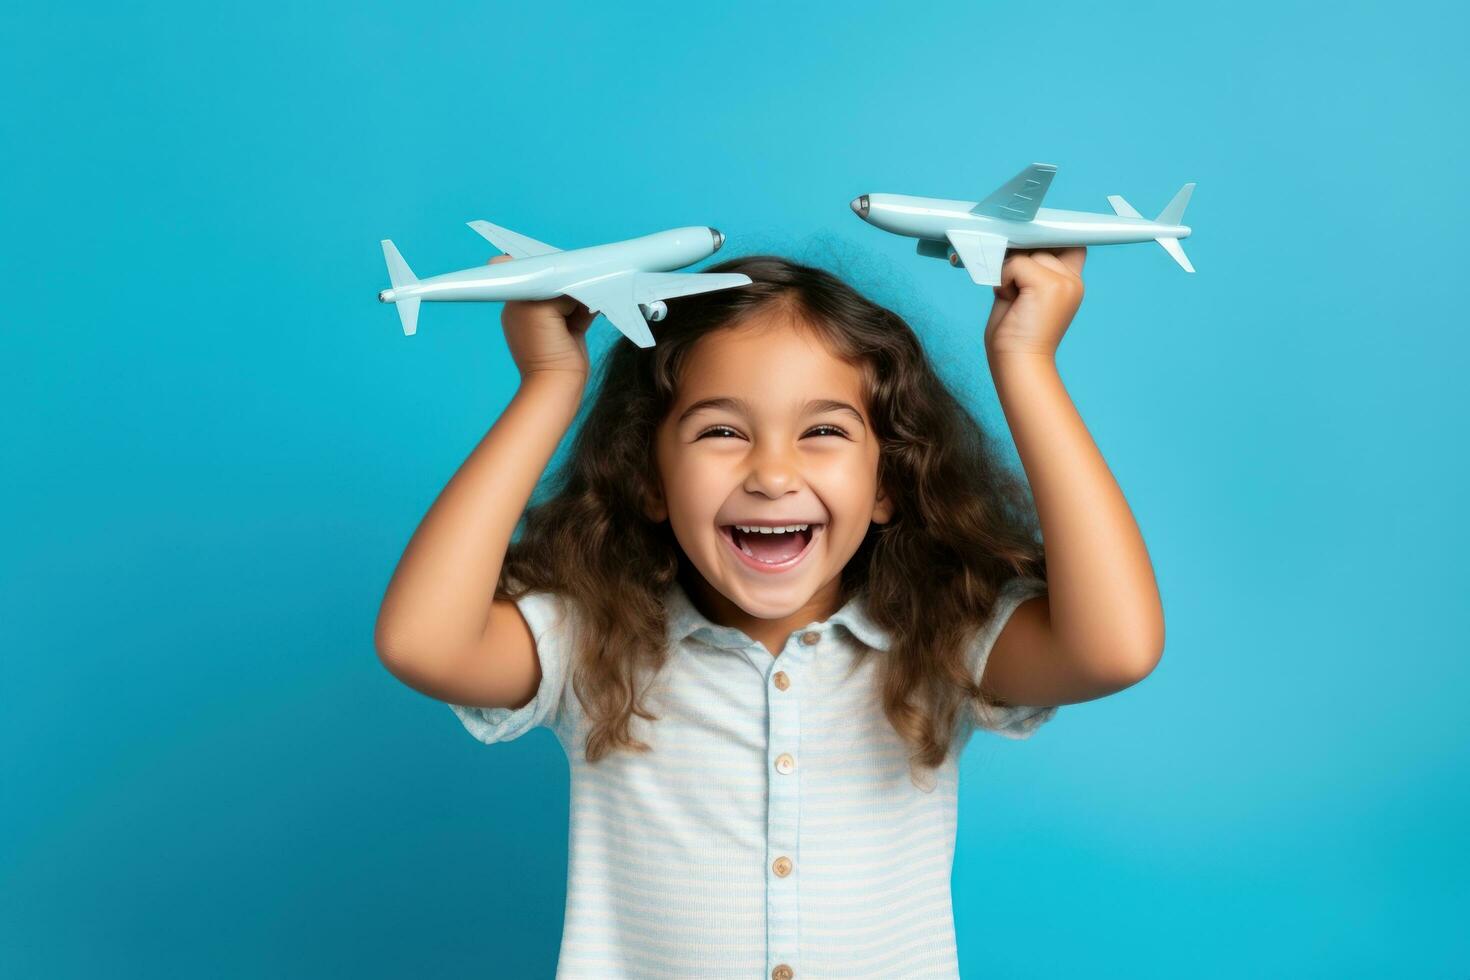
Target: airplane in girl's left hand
[976, 235]
[625, 281]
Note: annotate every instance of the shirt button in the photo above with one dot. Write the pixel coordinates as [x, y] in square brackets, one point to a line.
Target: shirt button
[782, 972]
[811, 637]
[784, 763]
[782, 866]
[782, 681]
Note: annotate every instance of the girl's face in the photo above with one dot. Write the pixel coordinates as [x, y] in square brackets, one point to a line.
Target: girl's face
[769, 428]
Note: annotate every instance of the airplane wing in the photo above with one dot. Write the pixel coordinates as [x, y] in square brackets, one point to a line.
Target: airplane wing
[1018, 198]
[614, 298]
[619, 297]
[982, 254]
[516, 246]
[651, 286]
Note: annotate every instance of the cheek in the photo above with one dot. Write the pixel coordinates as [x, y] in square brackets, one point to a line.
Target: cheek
[850, 489]
[695, 488]
[850, 474]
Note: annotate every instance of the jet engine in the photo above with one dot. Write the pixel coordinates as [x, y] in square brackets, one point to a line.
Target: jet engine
[655, 311]
[934, 250]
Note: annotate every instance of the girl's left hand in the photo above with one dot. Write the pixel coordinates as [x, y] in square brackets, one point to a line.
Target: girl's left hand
[1039, 292]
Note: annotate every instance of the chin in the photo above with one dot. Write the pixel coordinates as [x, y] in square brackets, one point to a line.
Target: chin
[775, 608]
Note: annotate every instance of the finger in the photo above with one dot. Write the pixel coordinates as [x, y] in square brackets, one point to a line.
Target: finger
[499, 258]
[1018, 271]
[1073, 258]
[1048, 259]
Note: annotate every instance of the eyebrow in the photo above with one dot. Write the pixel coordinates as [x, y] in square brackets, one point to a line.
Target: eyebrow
[815, 406]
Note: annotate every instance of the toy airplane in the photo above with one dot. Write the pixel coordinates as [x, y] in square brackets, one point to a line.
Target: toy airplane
[977, 235]
[626, 281]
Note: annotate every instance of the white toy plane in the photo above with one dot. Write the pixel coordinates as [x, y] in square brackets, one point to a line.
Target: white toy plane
[977, 235]
[626, 281]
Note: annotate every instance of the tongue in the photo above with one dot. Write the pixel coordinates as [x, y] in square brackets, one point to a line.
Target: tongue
[772, 548]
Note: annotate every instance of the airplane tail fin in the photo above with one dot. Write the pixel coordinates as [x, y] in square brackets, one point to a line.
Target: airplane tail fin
[1173, 212]
[401, 275]
[1171, 215]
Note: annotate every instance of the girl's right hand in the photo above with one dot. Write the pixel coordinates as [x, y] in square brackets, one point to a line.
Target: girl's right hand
[547, 337]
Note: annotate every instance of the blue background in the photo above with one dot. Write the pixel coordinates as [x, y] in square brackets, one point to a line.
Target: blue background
[217, 444]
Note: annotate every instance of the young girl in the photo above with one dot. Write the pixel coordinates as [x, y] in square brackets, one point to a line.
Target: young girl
[780, 580]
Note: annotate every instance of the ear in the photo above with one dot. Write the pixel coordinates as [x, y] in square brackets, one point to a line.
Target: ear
[882, 507]
[655, 508]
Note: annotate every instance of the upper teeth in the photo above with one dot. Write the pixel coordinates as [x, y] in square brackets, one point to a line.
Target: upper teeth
[761, 529]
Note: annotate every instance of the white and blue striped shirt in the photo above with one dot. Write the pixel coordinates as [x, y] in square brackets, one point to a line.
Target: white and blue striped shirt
[773, 830]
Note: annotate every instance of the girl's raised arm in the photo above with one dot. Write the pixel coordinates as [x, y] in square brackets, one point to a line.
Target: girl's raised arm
[439, 629]
[1100, 628]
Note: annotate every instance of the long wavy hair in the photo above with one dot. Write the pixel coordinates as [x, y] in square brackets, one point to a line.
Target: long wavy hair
[963, 522]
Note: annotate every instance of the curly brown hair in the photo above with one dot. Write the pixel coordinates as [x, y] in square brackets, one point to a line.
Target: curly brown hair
[963, 521]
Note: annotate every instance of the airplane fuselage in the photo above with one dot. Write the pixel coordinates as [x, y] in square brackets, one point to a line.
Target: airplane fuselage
[538, 277]
[932, 218]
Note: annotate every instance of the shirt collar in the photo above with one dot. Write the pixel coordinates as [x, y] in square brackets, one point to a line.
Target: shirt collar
[684, 620]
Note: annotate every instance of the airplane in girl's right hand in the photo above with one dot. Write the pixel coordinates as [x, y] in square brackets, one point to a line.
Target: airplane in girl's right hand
[977, 235]
[627, 282]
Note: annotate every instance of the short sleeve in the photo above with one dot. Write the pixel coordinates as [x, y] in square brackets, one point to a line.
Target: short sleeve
[1012, 721]
[547, 615]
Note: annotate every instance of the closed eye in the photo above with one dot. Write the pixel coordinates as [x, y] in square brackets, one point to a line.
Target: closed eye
[824, 430]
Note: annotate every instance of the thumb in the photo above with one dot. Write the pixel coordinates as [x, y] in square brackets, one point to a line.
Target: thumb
[580, 318]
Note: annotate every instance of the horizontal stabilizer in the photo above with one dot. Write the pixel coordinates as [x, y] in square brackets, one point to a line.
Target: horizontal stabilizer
[1122, 208]
[1172, 246]
[408, 312]
[400, 275]
[1019, 198]
[512, 244]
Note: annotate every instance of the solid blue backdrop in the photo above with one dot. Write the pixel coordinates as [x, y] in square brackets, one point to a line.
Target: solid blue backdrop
[218, 443]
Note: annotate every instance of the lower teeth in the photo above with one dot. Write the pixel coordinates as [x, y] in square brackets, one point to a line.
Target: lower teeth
[746, 548]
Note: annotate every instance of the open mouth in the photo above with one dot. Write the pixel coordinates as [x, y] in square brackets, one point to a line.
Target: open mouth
[771, 549]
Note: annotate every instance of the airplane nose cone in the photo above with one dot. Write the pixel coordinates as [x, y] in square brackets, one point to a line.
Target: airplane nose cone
[859, 206]
[386, 296]
[719, 238]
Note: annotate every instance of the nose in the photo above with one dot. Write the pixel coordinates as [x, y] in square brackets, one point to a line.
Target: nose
[386, 296]
[859, 206]
[771, 474]
[718, 236]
